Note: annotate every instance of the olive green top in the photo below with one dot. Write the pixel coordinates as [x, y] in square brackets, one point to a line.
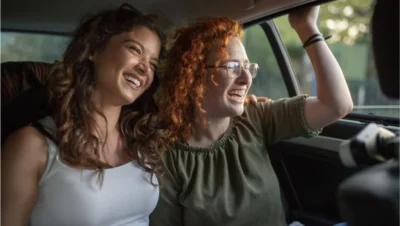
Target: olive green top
[232, 182]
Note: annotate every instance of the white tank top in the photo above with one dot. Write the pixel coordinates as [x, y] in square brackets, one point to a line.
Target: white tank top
[70, 196]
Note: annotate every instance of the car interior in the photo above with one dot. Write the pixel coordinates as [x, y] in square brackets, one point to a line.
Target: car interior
[310, 171]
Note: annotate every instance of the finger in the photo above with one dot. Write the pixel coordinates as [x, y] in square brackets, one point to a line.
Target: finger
[263, 99]
[246, 101]
[252, 99]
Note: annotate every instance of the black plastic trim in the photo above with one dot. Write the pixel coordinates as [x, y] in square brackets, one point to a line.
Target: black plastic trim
[367, 118]
[282, 57]
[37, 32]
[283, 12]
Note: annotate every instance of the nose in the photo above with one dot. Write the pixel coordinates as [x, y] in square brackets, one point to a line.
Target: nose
[244, 78]
[142, 67]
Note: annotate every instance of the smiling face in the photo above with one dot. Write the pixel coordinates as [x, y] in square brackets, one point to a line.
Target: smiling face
[125, 68]
[226, 90]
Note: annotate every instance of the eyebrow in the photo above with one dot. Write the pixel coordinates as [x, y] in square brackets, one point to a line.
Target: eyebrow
[236, 60]
[141, 46]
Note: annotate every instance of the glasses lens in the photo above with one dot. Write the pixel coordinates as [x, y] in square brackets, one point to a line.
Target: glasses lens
[253, 69]
[233, 68]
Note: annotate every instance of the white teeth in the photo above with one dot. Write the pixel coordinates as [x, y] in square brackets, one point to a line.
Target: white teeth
[134, 80]
[238, 92]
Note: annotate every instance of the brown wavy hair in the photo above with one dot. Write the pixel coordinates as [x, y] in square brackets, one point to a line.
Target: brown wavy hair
[72, 84]
[184, 73]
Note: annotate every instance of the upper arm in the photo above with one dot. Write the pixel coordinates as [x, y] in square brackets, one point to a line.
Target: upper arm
[23, 161]
[317, 114]
[168, 212]
[285, 118]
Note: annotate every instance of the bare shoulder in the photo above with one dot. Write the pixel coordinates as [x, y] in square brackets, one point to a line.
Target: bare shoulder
[26, 138]
[26, 148]
[23, 161]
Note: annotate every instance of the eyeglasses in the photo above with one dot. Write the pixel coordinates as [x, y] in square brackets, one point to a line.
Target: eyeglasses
[234, 69]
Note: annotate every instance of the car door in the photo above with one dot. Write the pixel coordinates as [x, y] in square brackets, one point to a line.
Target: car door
[310, 170]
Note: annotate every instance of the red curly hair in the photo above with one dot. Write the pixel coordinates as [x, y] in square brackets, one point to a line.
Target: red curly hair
[184, 73]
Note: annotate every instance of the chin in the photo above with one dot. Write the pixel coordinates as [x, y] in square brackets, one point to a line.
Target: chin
[128, 96]
[127, 100]
[237, 111]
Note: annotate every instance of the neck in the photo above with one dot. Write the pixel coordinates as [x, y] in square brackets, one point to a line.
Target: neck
[206, 135]
[110, 112]
[112, 116]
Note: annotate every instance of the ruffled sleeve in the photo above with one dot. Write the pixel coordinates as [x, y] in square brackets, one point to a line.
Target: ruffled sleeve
[281, 119]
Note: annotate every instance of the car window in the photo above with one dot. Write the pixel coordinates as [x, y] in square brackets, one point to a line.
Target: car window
[349, 23]
[20, 46]
[269, 81]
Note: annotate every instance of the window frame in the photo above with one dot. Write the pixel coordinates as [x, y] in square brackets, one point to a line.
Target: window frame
[284, 63]
[289, 77]
[282, 57]
[39, 32]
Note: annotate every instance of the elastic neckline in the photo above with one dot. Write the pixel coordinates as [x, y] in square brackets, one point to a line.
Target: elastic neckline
[217, 144]
[59, 161]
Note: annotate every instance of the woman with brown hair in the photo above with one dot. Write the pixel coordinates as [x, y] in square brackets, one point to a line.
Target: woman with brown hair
[218, 171]
[94, 161]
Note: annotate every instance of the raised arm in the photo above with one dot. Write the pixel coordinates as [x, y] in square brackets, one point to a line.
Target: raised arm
[333, 100]
[23, 160]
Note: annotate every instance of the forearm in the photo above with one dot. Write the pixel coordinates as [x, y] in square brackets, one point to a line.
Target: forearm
[332, 89]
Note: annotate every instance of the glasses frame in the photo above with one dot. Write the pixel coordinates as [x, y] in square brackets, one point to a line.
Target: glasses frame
[245, 67]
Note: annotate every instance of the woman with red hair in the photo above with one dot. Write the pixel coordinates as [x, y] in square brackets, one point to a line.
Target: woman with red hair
[217, 171]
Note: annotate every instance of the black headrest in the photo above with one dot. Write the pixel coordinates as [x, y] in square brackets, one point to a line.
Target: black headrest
[385, 42]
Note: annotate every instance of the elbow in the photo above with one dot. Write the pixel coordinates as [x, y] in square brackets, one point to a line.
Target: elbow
[344, 108]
